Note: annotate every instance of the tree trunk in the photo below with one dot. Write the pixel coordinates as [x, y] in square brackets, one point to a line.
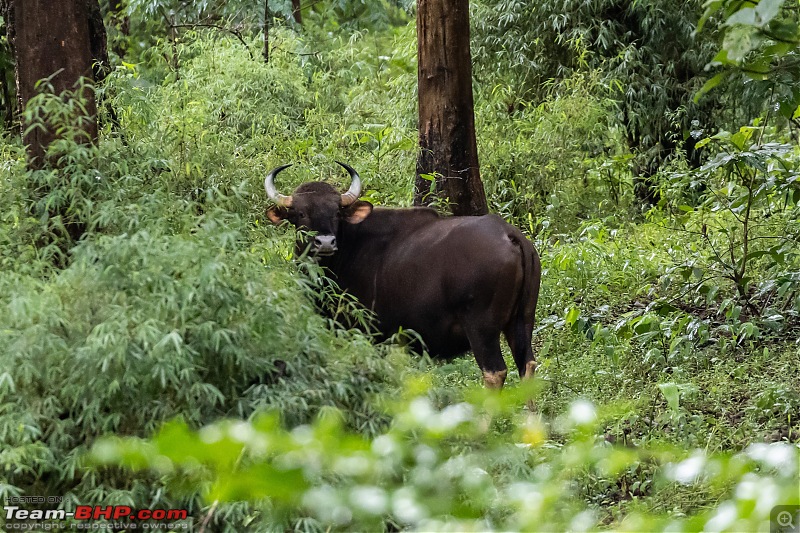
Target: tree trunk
[296, 13]
[122, 21]
[8, 104]
[98, 41]
[50, 39]
[448, 149]
[6, 70]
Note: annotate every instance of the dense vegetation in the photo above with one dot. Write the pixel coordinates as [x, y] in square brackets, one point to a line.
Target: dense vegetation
[667, 393]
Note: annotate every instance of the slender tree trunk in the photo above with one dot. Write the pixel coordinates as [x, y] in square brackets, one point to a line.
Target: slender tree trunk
[6, 69]
[101, 65]
[98, 41]
[296, 13]
[122, 21]
[266, 31]
[448, 148]
[8, 103]
[50, 39]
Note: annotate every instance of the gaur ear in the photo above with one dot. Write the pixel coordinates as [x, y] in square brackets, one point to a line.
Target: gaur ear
[356, 212]
[277, 214]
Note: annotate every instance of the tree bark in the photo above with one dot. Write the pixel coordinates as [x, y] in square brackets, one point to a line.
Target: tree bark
[8, 104]
[448, 148]
[296, 13]
[6, 76]
[51, 39]
[98, 41]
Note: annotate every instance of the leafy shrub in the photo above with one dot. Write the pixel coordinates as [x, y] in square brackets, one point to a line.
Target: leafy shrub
[177, 301]
[549, 157]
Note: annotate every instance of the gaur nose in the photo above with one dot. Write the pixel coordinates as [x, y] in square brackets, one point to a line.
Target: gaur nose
[325, 243]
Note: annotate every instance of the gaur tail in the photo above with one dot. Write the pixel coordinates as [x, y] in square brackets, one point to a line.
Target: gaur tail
[525, 313]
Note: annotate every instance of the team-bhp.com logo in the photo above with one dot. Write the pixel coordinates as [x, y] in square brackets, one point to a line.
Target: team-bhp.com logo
[115, 517]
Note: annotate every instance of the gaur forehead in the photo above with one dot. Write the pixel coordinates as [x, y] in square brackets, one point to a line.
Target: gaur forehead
[316, 187]
[316, 196]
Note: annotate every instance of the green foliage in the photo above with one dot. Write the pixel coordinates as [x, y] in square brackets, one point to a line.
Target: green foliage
[355, 15]
[555, 154]
[178, 301]
[445, 469]
[745, 217]
[644, 52]
[665, 389]
[759, 42]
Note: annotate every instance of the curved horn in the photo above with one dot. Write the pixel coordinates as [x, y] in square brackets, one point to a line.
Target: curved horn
[354, 191]
[272, 192]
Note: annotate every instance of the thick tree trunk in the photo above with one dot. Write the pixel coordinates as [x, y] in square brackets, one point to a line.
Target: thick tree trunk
[296, 13]
[51, 39]
[448, 149]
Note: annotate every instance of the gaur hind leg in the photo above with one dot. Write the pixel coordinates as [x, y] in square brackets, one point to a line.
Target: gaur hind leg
[485, 344]
[519, 335]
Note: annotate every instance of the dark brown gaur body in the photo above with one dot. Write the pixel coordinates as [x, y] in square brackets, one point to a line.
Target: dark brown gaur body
[459, 282]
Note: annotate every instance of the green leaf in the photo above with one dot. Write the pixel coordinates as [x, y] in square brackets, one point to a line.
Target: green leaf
[746, 16]
[786, 31]
[710, 84]
[702, 142]
[711, 7]
[755, 255]
[757, 70]
[177, 442]
[132, 452]
[672, 393]
[788, 108]
[738, 42]
[258, 481]
[572, 315]
[766, 10]
[777, 49]
[742, 137]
